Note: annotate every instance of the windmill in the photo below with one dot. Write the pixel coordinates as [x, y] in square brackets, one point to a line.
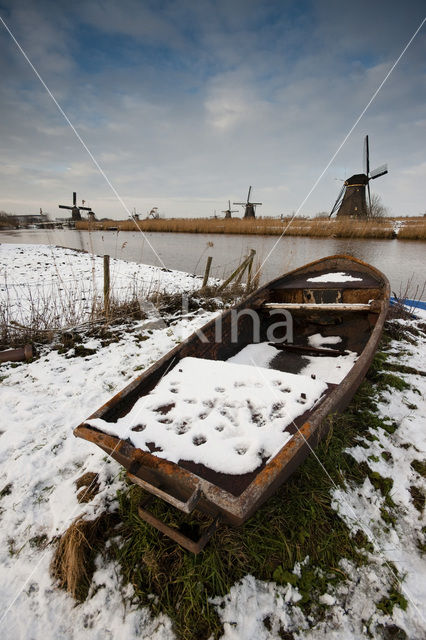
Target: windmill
[351, 200]
[249, 207]
[228, 212]
[154, 213]
[75, 210]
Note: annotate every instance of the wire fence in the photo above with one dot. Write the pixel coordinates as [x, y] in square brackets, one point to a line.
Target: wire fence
[72, 296]
[223, 269]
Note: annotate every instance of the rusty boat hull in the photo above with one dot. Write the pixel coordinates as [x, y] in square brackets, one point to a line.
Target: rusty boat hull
[354, 310]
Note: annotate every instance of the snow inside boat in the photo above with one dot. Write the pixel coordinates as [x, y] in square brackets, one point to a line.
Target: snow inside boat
[224, 418]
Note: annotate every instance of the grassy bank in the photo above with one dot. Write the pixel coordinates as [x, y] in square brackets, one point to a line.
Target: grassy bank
[110, 556]
[315, 228]
[298, 521]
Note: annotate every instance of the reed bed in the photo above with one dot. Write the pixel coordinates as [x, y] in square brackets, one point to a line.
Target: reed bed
[316, 227]
[413, 229]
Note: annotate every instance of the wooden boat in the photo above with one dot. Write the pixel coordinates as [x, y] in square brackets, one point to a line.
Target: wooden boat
[346, 311]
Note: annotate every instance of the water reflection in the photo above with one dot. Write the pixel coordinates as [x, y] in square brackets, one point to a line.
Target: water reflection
[402, 261]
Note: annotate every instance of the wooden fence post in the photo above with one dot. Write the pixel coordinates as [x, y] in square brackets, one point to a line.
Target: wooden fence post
[232, 276]
[207, 271]
[250, 267]
[246, 265]
[106, 285]
[239, 271]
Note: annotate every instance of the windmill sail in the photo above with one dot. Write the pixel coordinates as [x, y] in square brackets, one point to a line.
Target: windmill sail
[338, 200]
[366, 157]
[369, 198]
[380, 171]
[351, 200]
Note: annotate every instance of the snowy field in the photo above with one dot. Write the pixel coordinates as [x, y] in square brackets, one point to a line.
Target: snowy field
[54, 286]
[40, 460]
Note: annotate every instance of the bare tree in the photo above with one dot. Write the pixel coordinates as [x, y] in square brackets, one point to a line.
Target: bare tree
[5, 220]
[322, 214]
[377, 209]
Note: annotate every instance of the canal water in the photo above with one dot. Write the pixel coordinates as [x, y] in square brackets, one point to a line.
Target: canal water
[403, 261]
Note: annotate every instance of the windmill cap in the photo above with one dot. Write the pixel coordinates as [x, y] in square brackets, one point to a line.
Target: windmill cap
[359, 178]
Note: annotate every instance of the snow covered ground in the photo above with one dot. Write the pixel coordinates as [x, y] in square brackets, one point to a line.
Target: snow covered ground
[40, 460]
[55, 286]
[351, 606]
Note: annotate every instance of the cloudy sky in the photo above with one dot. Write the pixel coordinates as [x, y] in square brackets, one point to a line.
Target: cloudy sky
[185, 103]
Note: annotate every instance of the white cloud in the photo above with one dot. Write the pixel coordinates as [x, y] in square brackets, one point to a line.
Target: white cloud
[203, 99]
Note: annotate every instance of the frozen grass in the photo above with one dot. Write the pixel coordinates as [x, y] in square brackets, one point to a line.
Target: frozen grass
[315, 228]
[46, 289]
[49, 319]
[39, 317]
[49, 290]
[298, 521]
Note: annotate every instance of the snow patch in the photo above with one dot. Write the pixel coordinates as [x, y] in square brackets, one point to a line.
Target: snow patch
[336, 276]
[226, 416]
[251, 602]
[317, 340]
[329, 368]
[257, 355]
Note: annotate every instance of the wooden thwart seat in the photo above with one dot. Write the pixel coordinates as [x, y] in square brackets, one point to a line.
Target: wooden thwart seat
[372, 307]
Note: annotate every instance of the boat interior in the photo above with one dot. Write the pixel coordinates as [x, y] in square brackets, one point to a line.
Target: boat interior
[346, 311]
[331, 322]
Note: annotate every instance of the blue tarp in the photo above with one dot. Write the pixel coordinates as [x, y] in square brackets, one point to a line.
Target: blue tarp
[411, 305]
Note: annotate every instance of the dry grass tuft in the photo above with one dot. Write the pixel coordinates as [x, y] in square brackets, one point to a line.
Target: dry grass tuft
[72, 564]
[89, 485]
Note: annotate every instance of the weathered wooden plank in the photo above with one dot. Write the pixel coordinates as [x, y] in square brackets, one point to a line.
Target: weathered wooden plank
[313, 306]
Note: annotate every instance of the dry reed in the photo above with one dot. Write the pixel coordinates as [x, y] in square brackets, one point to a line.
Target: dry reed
[35, 312]
[316, 228]
[413, 229]
[72, 563]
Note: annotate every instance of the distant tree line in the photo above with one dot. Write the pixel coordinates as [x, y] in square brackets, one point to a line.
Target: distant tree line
[5, 220]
